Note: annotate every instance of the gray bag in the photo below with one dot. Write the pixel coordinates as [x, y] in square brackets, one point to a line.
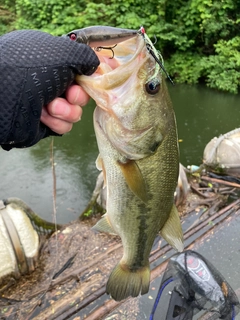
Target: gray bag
[223, 154]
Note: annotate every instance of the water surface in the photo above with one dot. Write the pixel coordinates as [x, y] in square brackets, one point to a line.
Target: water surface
[202, 114]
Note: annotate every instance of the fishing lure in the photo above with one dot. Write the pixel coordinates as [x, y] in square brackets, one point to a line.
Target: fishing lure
[105, 37]
[98, 36]
[101, 37]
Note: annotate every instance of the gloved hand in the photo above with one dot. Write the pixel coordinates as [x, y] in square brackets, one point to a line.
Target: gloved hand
[35, 68]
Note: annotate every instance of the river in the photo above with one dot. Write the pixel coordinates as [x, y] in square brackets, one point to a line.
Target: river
[201, 114]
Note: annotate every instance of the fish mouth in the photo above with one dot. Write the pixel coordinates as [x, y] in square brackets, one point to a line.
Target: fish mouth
[117, 65]
[121, 56]
[123, 104]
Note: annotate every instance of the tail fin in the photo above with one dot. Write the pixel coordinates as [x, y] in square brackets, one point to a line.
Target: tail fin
[124, 282]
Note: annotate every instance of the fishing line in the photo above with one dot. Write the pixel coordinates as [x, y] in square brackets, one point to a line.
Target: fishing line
[54, 215]
[54, 219]
[160, 291]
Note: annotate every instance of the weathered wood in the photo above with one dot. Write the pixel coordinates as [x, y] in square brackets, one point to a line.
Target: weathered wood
[84, 282]
[219, 181]
[78, 297]
[107, 307]
[76, 272]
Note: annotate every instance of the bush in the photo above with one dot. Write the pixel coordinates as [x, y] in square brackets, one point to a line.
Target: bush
[222, 70]
[185, 67]
[7, 19]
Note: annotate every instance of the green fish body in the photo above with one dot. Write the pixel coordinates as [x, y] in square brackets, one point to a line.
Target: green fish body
[138, 152]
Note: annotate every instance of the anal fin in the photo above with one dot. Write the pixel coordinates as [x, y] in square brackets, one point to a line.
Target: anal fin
[103, 225]
[134, 179]
[172, 230]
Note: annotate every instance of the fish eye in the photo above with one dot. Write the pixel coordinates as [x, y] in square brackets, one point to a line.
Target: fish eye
[73, 36]
[152, 87]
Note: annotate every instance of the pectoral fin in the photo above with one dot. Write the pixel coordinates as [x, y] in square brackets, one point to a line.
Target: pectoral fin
[134, 179]
[100, 167]
[103, 225]
[172, 230]
[99, 163]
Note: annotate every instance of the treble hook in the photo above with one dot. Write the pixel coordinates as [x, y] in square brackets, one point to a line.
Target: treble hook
[150, 50]
[159, 62]
[107, 48]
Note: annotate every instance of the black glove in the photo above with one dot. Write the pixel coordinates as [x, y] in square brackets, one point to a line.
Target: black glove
[35, 68]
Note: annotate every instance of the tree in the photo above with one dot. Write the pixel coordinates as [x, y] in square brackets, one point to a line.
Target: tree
[198, 38]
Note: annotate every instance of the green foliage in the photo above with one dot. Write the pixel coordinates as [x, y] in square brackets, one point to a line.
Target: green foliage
[222, 70]
[52, 16]
[199, 39]
[185, 67]
[7, 19]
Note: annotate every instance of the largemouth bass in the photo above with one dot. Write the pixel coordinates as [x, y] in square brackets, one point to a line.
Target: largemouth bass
[137, 139]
